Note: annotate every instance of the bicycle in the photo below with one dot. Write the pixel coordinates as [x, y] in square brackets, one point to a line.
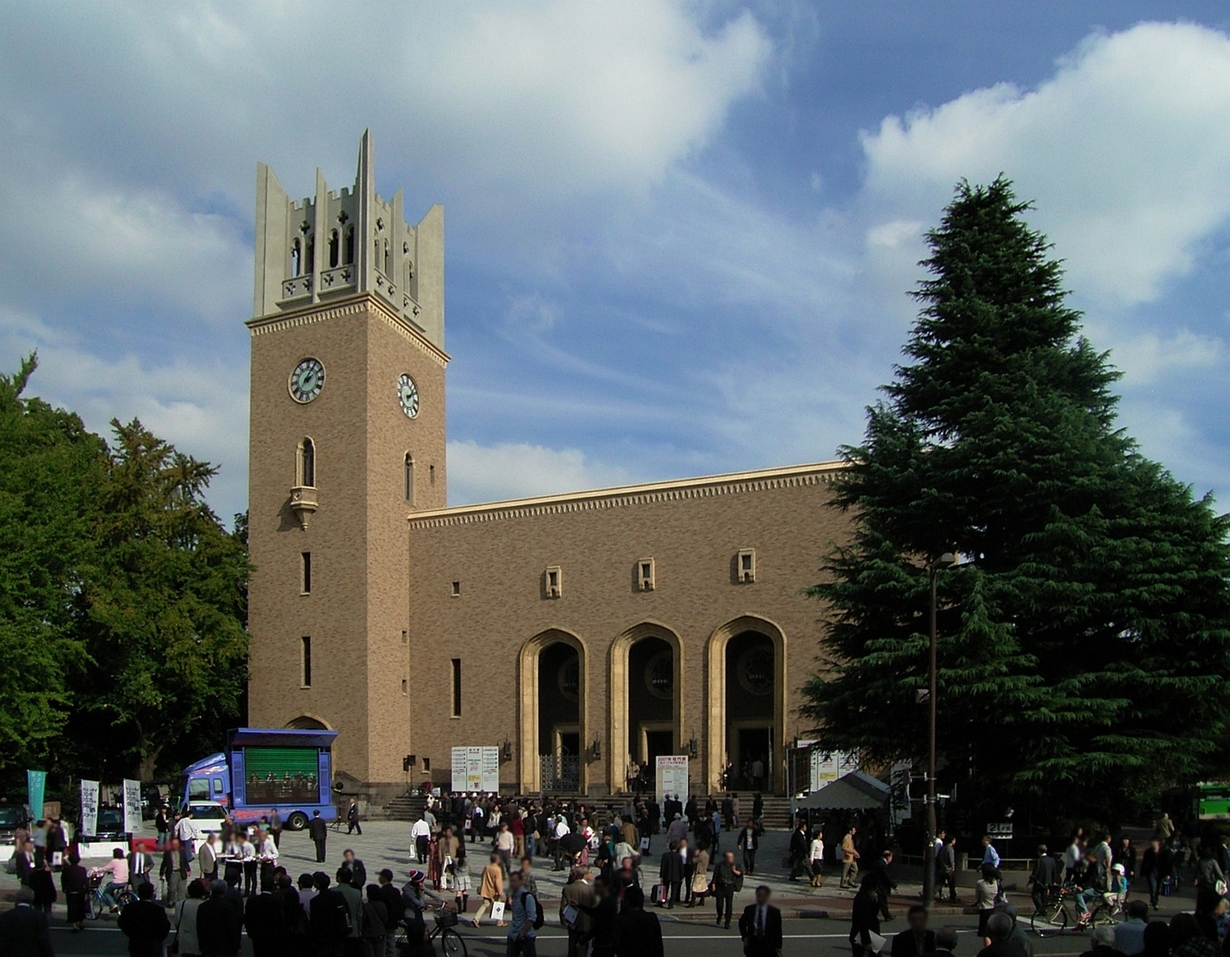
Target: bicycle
[1054, 916]
[451, 942]
[96, 903]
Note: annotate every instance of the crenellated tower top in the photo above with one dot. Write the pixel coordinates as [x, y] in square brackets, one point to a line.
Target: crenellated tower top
[338, 244]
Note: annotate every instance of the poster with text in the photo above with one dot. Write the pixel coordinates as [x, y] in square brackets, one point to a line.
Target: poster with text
[132, 806]
[89, 808]
[459, 770]
[36, 790]
[490, 769]
[672, 776]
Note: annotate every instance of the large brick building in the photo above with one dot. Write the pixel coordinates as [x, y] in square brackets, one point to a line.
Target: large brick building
[572, 631]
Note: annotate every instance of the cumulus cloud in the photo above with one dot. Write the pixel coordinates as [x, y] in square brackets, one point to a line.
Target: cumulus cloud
[484, 473]
[1122, 147]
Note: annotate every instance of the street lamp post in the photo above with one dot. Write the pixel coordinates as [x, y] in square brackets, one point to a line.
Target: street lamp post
[946, 560]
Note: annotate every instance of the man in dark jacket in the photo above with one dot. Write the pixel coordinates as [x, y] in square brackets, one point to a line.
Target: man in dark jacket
[673, 869]
[1043, 878]
[883, 881]
[946, 866]
[23, 930]
[318, 831]
[1156, 866]
[760, 926]
[329, 918]
[637, 933]
[217, 924]
[144, 923]
[916, 939]
[264, 920]
[800, 845]
[604, 915]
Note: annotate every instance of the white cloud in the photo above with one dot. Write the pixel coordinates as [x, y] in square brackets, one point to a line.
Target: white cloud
[484, 473]
[1125, 149]
[1148, 358]
[199, 405]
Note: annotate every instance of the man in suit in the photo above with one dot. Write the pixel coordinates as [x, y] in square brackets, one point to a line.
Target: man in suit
[23, 930]
[23, 861]
[139, 866]
[800, 844]
[946, 865]
[318, 831]
[144, 923]
[916, 939]
[264, 920]
[945, 942]
[637, 933]
[674, 868]
[218, 924]
[883, 881]
[576, 895]
[1044, 876]
[760, 926]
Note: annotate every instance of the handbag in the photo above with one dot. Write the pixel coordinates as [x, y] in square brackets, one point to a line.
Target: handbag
[1221, 888]
[738, 882]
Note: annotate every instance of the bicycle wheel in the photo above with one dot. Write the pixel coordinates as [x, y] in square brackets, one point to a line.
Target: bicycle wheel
[452, 943]
[1053, 919]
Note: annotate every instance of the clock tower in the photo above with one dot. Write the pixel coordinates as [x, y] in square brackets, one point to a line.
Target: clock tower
[347, 438]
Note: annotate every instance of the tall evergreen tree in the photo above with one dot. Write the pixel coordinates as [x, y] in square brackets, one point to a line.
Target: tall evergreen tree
[1085, 637]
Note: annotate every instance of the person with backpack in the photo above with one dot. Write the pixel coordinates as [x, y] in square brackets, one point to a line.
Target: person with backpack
[527, 918]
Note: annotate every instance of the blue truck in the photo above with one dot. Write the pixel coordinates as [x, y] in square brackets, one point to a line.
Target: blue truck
[267, 769]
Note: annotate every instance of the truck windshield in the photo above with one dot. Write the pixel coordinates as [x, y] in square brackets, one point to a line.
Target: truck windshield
[198, 789]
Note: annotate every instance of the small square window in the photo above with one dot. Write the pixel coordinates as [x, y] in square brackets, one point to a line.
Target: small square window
[747, 565]
[456, 589]
[554, 582]
[645, 574]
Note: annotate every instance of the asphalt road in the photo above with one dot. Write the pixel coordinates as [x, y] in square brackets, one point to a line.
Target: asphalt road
[804, 938]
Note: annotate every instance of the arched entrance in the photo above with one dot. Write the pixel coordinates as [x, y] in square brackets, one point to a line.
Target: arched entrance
[552, 713]
[646, 699]
[747, 705]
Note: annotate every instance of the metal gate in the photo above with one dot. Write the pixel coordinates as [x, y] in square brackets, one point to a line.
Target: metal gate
[559, 772]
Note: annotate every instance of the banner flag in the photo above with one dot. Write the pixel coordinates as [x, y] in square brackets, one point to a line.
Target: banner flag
[89, 807]
[36, 789]
[132, 806]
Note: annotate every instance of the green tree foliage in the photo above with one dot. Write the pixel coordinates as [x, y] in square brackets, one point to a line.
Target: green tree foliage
[166, 608]
[49, 465]
[123, 600]
[1085, 638]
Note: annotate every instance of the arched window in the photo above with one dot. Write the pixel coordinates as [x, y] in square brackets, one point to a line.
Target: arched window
[307, 463]
[349, 244]
[409, 478]
[387, 271]
[296, 258]
[334, 248]
[309, 261]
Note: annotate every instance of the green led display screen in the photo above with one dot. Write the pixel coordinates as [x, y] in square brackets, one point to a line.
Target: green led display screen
[281, 775]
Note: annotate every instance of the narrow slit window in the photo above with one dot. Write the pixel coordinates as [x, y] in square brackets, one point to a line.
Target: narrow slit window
[307, 661]
[405, 686]
[296, 258]
[456, 687]
[350, 244]
[309, 261]
[305, 584]
[456, 589]
[334, 248]
[409, 478]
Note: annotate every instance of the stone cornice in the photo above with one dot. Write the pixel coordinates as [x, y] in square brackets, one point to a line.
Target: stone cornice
[351, 305]
[703, 487]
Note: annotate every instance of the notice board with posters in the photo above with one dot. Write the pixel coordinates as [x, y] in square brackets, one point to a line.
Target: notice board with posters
[476, 769]
[672, 776]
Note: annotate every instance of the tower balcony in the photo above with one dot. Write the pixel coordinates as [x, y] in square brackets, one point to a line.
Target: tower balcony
[303, 503]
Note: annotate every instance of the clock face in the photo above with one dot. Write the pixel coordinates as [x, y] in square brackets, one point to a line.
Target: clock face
[307, 379]
[408, 396]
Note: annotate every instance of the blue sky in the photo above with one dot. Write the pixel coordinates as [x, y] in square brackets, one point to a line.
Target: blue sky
[679, 235]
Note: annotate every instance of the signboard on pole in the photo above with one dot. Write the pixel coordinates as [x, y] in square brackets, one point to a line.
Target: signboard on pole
[89, 807]
[672, 776]
[1002, 830]
[828, 766]
[476, 769]
[132, 806]
[36, 791]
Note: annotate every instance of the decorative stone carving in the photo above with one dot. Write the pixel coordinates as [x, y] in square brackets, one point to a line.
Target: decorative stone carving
[303, 503]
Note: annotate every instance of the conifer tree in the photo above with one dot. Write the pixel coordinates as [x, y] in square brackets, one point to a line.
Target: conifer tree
[1084, 639]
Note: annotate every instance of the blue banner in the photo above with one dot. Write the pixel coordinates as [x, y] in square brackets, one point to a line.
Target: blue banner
[36, 788]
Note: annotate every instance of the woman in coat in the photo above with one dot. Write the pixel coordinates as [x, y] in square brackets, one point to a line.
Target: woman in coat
[700, 882]
[985, 890]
